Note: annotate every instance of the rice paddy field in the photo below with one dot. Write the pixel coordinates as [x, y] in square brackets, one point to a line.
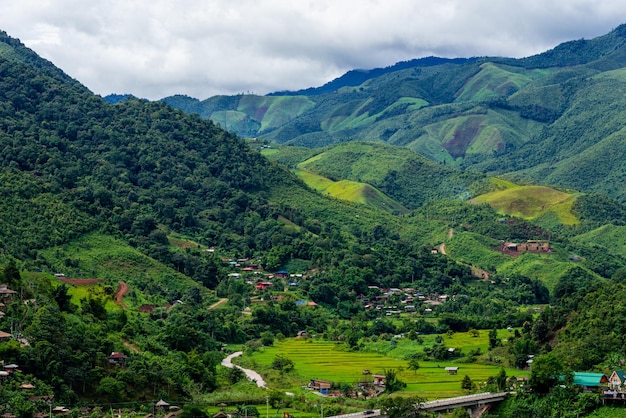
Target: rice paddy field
[317, 359]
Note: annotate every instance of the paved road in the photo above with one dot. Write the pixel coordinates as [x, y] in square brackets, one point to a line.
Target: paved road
[252, 375]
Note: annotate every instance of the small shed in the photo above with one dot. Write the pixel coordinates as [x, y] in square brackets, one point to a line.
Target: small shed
[452, 370]
[162, 405]
[117, 358]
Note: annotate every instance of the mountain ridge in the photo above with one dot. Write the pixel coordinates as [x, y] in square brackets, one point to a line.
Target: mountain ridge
[501, 116]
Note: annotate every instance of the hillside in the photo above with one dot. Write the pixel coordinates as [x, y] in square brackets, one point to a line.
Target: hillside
[551, 119]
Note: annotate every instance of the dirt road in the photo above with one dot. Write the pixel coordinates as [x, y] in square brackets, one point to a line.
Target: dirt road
[251, 374]
[119, 295]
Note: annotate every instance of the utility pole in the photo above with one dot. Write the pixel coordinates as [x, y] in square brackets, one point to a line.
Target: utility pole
[267, 406]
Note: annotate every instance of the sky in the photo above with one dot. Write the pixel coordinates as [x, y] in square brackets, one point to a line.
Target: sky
[157, 48]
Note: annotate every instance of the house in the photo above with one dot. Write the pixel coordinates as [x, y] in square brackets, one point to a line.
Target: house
[117, 358]
[6, 293]
[5, 336]
[323, 386]
[379, 379]
[617, 380]
[452, 370]
[162, 405]
[590, 382]
[263, 285]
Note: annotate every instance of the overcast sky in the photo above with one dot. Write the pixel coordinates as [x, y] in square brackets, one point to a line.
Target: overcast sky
[156, 48]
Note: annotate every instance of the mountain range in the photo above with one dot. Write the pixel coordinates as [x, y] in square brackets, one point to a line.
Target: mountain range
[555, 118]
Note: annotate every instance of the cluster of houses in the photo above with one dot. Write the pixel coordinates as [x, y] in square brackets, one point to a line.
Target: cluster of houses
[531, 246]
[365, 389]
[387, 301]
[394, 301]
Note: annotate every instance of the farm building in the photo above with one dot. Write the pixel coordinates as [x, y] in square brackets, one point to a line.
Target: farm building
[590, 382]
[533, 246]
[379, 379]
[452, 370]
[323, 386]
[263, 285]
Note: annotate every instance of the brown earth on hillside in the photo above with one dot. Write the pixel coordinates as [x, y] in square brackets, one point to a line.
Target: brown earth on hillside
[80, 282]
[119, 295]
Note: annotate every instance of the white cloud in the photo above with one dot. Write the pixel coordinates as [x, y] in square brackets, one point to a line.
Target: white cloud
[157, 48]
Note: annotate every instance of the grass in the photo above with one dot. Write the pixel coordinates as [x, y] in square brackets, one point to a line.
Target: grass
[608, 412]
[529, 202]
[350, 191]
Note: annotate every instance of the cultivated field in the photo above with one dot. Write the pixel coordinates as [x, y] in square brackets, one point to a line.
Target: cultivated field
[315, 359]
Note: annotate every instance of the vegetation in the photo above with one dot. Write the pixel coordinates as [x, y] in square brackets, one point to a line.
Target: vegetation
[139, 243]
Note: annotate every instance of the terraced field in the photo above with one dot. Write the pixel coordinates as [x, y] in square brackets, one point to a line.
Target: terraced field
[315, 359]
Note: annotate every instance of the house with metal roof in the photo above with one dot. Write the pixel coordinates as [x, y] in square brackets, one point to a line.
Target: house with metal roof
[590, 382]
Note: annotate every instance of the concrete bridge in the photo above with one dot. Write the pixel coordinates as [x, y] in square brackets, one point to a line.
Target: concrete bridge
[475, 404]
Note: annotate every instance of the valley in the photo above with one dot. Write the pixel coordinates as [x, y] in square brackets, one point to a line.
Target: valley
[441, 228]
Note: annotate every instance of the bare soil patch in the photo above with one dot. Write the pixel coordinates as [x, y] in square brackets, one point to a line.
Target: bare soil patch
[80, 282]
[119, 295]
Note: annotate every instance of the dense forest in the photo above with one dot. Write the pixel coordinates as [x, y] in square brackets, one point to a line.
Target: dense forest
[172, 208]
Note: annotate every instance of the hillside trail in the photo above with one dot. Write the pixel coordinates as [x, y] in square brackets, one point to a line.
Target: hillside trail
[476, 271]
[442, 247]
[218, 303]
[119, 295]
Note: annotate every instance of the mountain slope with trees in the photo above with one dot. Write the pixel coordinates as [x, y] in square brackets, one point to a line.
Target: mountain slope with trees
[538, 119]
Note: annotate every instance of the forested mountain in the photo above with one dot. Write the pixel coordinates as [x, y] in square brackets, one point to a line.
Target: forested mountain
[122, 226]
[554, 118]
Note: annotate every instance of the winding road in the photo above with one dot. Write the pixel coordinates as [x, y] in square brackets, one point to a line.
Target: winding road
[251, 374]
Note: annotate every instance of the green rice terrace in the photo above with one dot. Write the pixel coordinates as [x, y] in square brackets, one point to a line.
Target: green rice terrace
[331, 361]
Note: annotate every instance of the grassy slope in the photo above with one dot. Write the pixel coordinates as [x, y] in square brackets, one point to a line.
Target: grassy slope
[609, 236]
[273, 111]
[104, 257]
[493, 81]
[351, 191]
[530, 202]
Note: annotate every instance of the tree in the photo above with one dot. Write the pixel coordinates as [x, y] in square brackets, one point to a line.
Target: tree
[544, 373]
[392, 383]
[493, 339]
[11, 274]
[414, 365]
[282, 364]
[460, 413]
[401, 407]
[467, 384]
[193, 411]
[501, 380]
[234, 375]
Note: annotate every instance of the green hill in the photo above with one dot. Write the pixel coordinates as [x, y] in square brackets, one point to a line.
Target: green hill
[351, 191]
[399, 173]
[530, 202]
